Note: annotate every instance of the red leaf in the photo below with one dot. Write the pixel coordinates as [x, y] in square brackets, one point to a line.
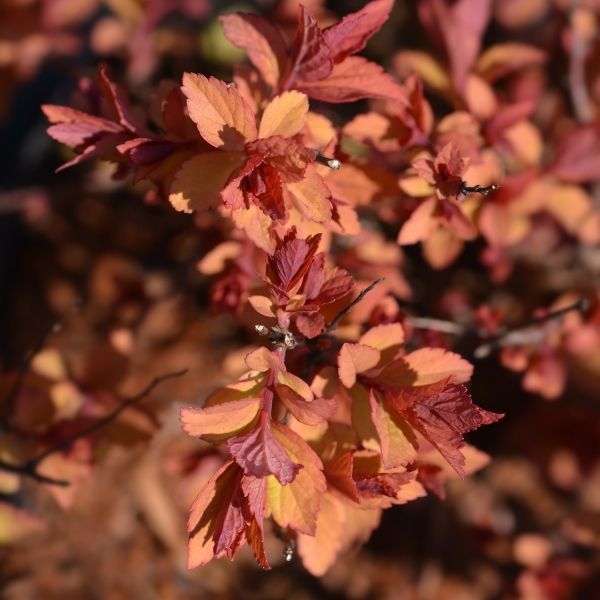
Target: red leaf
[353, 79]
[338, 472]
[117, 102]
[292, 259]
[262, 42]
[351, 34]
[337, 284]
[442, 413]
[260, 454]
[216, 523]
[255, 492]
[310, 53]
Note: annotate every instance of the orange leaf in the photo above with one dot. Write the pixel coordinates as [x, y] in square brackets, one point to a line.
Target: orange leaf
[319, 552]
[421, 223]
[200, 180]
[296, 504]
[223, 118]
[425, 366]
[261, 40]
[257, 226]
[285, 115]
[296, 384]
[354, 359]
[312, 196]
[222, 420]
[502, 59]
[262, 305]
[396, 437]
[263, 360]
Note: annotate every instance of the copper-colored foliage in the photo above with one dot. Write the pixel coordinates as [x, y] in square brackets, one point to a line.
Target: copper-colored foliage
[318, 284]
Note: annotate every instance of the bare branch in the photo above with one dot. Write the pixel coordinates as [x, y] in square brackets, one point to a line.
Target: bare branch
[331, 326]
[29, 469]
[436, 325]
[8, 402]
[529, 332]
[477, 189]
[280, 336]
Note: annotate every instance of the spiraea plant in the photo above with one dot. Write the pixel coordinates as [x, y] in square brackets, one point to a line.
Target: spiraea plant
[346, 409]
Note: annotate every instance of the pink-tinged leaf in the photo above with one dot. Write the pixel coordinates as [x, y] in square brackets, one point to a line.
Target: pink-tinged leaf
[296, 505]
[397, 440]
[310, 54]
[292, 259]
[426, 366]
[310, 325]
[450, 162]
[260, 454]
[354, 359]
[261, 41]
[220, 420]
[285, 115]
[577, 158]
[355, 78]
[311, 413]
[461, 27]
[75, 128]
[442, 413]
[508, 116]
[546, 375]
[201, 179]
[216, 525]
[264, 360]
[351, 34]
[104, 148]
[223, 118]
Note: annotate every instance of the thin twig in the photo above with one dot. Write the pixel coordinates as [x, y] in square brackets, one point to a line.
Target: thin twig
[29, 469]
[8, 402]
[528, 332]
[477, 189]
[578, 89]
[331, 326]
[436, 325]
